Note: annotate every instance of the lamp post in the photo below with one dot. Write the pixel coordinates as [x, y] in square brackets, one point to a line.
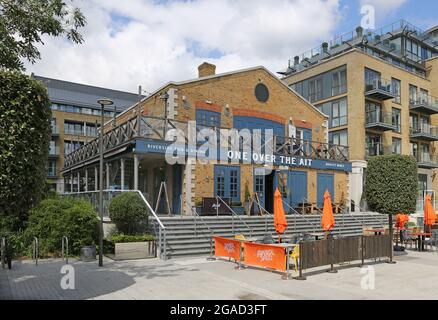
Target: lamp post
[103, 102]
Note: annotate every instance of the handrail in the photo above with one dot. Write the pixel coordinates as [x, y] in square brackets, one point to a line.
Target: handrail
[196, 215]
[362, 210]
[234, 213]
[64, 244]
[297, 213]
[35, 250]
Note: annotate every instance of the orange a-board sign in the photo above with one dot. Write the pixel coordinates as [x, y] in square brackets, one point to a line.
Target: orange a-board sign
[265, 255]
[224, 247]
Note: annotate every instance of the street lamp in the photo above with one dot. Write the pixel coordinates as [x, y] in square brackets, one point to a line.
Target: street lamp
[103, 102]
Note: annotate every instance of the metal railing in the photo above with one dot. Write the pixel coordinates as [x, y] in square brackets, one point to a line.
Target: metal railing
[155, 128]
[376, 149]
[296, 213]
[362, 210]
[35, 250]
[93, 197]
[375, 117]
[427, 158]
[424, 128]
[64, 250]
[233, 213]
[425, 100]
[378, 84]
[196, 217]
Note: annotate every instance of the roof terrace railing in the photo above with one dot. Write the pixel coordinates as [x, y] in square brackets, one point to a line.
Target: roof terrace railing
[155, 128]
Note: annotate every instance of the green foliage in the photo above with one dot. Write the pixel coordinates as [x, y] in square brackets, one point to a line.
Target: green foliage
[410, 224]
[391, 184]
[24, 143]
[56, 217]
[24, 22]
[109, 243]
[128, 212]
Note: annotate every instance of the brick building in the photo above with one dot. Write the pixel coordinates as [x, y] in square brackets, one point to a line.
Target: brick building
[304, 165]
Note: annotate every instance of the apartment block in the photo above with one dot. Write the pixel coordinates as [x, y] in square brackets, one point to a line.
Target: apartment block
[76, 116]
[379, 89]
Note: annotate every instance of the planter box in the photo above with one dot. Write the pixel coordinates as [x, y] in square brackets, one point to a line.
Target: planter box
[135, 250]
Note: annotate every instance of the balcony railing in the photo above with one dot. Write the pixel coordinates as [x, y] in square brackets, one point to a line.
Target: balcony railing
[54, 151]
[379, 121]
[426, 160]
[379, 89]
[155, 128]
[74, 132]
[424, 104]
[424, 132]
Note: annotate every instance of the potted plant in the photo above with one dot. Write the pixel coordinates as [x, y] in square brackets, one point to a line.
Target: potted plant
[130, 215]
[247, 199]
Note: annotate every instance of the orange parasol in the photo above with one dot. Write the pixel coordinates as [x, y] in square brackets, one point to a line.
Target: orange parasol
[429, 211]
[328, 220]
[401, 220]
[280, 221]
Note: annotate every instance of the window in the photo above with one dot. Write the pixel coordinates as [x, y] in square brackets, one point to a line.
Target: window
[70, 146]
[412, 93]
[227, 182]
[315, 90]
[396, 119]
[373, 145]
[371, 78]
[339, 137]
[413, 122]
[414, 149]
[396, 145]
[91, 130]
[423, 95]
[339, 82]
[372, 112]
[51, 168]
[337, 112]
[74, 128]
[395, 86]
[208, 118]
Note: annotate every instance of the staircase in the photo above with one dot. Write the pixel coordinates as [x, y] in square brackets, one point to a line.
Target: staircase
[190, 235]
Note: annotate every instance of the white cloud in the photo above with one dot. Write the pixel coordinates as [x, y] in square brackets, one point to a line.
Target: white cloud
[143, 42]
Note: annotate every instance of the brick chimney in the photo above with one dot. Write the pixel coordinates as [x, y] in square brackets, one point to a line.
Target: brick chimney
[206, 69]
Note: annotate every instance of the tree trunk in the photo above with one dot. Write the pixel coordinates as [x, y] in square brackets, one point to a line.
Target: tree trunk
[390, 238]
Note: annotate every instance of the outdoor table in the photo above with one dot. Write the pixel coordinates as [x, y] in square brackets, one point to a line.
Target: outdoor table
[421, 237]
[376, 231]
[317, 235]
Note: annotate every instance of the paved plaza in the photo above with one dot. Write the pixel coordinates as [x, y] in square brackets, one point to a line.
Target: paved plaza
[414, 276]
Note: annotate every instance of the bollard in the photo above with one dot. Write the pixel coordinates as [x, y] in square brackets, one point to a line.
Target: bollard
[64, 246]
[35, 250]
[300, 267]
[287, 275]
[211, 258]
[3, 251]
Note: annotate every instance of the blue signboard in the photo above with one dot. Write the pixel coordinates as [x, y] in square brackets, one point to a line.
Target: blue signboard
[156, 146]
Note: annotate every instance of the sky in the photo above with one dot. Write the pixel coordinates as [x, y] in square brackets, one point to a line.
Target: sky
[151, 42]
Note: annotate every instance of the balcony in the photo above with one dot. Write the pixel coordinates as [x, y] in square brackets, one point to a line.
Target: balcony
[426, 104]
[379, 121]
[426, 160]
[379, 89]
[54, 152]
[74, 132]
[425, 132]
[376, 149]
[55, 130]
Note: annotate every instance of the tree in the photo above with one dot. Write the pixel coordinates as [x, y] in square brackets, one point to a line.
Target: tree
[24, 144]
[128, 212]
[24, 22]
[391, 185]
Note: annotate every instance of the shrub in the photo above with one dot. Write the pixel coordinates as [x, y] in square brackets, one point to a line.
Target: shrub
[56, 217]
[24, 143]
[128, 212]
[391, 184]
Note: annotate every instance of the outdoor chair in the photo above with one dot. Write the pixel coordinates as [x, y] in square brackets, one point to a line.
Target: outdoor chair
[308, 237]
[267, 240]
[433, 241]
[405, 238]
[295, 254]
[239, 237]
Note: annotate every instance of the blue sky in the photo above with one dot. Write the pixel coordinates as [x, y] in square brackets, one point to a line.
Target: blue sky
[151, 42]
